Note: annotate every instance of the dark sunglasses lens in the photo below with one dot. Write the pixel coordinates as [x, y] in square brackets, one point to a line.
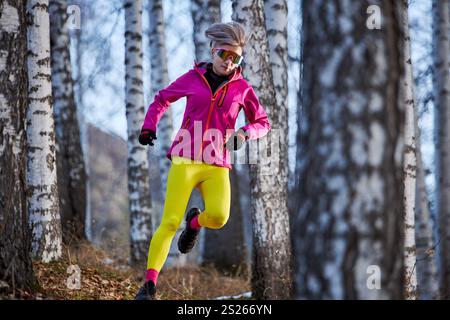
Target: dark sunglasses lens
[236, 59]
[221, 53]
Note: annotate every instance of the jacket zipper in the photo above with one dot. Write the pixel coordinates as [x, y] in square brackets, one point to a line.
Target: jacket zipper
[213, 99]
[186, 123]
[222, 97]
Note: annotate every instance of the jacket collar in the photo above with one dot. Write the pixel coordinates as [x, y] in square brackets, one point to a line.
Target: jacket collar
[201, 67]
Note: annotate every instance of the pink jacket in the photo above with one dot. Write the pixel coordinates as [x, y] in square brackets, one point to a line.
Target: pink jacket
[208, 119]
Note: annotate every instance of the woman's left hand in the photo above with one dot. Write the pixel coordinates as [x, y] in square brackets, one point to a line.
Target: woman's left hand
[236, 140]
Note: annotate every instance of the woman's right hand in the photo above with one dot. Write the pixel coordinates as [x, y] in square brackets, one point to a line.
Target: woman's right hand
[147, 136]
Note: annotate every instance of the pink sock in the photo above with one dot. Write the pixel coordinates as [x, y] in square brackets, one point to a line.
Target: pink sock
[151, 274]
[194, 223]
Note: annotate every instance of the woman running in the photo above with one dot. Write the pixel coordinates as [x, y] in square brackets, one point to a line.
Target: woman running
[200, 153]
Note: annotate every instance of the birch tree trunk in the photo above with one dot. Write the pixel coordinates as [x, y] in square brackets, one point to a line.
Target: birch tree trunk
[69, 154]
[160, 79]
[409, 165]
[204, 13]
[441, 79]
[138, 181]
[43, 198]
[349, 227]
[427, 277]
[271, 269]
[15, 237]
[276, 14]
[79, 93]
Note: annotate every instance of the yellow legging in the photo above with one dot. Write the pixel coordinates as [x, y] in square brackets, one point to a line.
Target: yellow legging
[213, 183]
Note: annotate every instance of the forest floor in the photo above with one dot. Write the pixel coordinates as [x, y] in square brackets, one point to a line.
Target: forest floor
[102, 278]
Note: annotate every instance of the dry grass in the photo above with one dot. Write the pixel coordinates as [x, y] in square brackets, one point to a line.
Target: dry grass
[199, 283]
[117, 281]
[98, 281]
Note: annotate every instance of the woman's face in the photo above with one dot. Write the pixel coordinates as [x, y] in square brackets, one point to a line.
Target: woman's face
[221, 67]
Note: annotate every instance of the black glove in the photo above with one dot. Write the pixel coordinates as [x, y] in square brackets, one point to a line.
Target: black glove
[237, 140]
[147, 136]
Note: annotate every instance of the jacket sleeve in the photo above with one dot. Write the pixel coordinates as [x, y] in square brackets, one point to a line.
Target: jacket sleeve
[163, 99]
[258, 125]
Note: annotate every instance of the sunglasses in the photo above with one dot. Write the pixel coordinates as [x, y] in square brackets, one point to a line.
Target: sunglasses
[225, 54]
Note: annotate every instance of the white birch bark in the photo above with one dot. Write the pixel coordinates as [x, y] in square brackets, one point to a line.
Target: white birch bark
[138, 180]
[276, 15]
[43, 203]
[15, 237]
[160, 79]
[69, 154]
[441, 79]
[204, 13]
[271, 270]
[409, 166]
[79, 89]
[348, 228]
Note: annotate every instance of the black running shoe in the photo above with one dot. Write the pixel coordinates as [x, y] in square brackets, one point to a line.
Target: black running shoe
[189, 236]
[146, 292]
